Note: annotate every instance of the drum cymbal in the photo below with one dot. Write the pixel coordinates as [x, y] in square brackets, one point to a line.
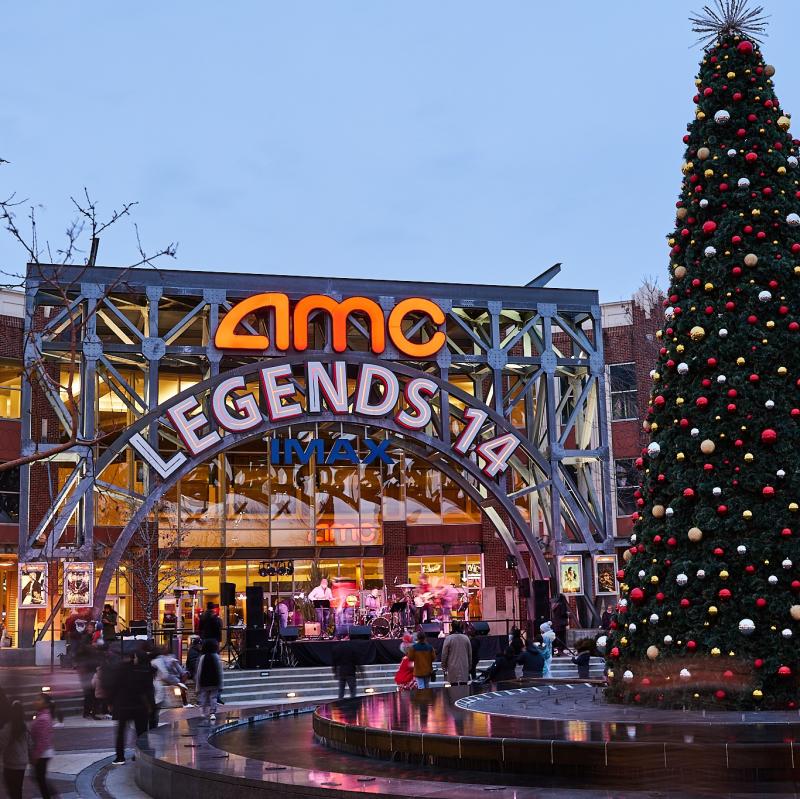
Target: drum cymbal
[406, 585]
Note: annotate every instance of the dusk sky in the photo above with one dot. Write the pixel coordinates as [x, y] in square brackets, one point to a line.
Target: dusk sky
[455, 140]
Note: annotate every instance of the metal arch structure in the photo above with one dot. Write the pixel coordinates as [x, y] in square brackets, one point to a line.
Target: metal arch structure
[136, 327]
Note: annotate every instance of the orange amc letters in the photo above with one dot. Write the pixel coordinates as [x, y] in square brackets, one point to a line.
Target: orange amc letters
[227, 338]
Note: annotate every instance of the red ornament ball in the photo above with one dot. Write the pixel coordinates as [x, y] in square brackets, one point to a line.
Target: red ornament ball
[758, 663]
[691, 645]
[709, 227]
[745, 47]
[724, 593]
[769, 436]
[761, 602]
[637, 596]
[784, 671]
[720, 694]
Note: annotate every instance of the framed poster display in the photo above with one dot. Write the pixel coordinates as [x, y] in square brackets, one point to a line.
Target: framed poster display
[32, 584]
[605, 575]
[78, 585]
[570, 575]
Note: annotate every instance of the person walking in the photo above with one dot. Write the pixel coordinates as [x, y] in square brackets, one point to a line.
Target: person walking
[41, 749]
[457, 656]
[132, 699]
[208, 679]
[422, 654]
[14, 743]
[210, 625]
[559, 616]
[193, 655]
[532, 660]
[346, 666]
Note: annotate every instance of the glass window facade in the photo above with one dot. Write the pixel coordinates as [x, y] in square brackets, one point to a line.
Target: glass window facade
[10, 387]
[627, 481]
[622, 383]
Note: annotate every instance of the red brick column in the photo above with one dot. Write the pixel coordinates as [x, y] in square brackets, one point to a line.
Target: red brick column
[395, 554]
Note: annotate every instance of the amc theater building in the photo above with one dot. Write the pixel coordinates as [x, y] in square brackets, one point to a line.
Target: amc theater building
[372, 432]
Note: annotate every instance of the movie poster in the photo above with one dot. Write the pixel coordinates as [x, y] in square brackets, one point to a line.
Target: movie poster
[32, 585]
[605, 574]
[570, 575]
[78, 585]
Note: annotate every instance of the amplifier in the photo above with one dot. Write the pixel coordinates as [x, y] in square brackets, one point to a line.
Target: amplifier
[312, 629]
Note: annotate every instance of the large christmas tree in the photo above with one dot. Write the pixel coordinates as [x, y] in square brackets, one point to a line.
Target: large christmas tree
[710, 609]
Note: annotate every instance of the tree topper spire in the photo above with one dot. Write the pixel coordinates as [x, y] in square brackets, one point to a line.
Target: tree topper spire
[729, 18]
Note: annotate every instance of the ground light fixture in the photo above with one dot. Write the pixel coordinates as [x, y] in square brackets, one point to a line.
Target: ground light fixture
[291, 694]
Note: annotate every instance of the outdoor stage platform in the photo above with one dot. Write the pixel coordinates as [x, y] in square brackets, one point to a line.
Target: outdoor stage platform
[541, 740]
[383, 650]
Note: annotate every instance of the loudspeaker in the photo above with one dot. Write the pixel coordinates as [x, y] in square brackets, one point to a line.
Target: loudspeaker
[480, 627]
[541, 603]
[431, 628]
[227, 594]
[524, 584]
[254, 605]
[360, 632]
[290, 633]
[341, 631]
[257, 649]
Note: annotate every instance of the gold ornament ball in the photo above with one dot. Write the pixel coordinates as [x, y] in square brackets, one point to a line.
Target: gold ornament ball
[709, 287]
[658, 511]
[751, 259]
[697, 333]
[654, 579]
[769, 70]
[652, 652]
[712, 610]
[695, 534]
[680, 271]
[740, 361]
[748, 457]
[687, 167]
[682, 213]
[782, 370]
[709, 173]
[703, 153]
[715, 652]
[627, 555]
[679, 456]
[723, 575]
[758, 693]
[794, 612]
[793, 506]
[748, 514]
[707, 446]
[781, 170]
[784, 123]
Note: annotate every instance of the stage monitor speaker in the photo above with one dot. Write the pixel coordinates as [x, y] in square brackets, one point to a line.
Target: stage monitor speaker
[290, 633]
[312, 629]
[360, 632]
[254, 606]
[524, 584]
[341, 631]
[480, 627]
[257, 649]
[541, 603]
[431, 628]
[227, 594]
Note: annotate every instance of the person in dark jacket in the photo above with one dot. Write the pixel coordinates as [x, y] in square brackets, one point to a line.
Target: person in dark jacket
[193, 655]
[346, 666]
[109, 621]
[607, 617]
[210, 626]
[476, 654]
[559, 616]
[583, 658]
[208, 679]
[133, 699]
[516, 642]
[504, 667]
[532, 660]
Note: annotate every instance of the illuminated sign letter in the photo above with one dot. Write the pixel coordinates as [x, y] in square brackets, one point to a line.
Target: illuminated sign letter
[320, 384]
[186, 425]
[342, 450]
[227, 338]
[414, 390]
[246, 405]
[474, 418]
[497, 452]
[339, 311]
[397, 317]
[274, 394]
[391, 390]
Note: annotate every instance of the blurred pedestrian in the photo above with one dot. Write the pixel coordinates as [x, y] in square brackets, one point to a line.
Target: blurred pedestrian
[422, 654]
[516, 642]
[210, 625]
[100, 687]
[457, 656]
[14, 743]
[208, 679]
[607, 617]
[504, 667]
[583, 659]
[532, 660]
[346, 666]
[193, 655]
[132, 698]
[559, 616]
[41, 747]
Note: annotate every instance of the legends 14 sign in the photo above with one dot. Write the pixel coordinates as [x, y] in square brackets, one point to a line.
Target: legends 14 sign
[377, 394]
